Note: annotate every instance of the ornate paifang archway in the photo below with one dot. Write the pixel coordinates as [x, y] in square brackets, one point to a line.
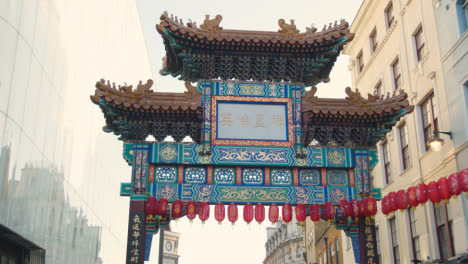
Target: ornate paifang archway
[252, 139]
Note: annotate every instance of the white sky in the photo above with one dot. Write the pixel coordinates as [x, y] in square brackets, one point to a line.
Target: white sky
[241, 243]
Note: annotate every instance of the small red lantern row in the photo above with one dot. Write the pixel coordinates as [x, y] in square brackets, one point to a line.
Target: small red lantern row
[442, 190]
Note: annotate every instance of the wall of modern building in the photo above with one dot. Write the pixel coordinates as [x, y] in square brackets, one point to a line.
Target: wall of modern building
[285, 243]
[413, 40]
[59, 173]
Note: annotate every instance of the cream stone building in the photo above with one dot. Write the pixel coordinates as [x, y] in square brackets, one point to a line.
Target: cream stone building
[397, 47]
[285, 244]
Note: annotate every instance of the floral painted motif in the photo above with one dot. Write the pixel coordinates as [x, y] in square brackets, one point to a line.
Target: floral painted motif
[166, 174]
[224, 175]
[168, 153]
[252, 176]
[336, 177]
[309, 177]
[195, 175]
[281, 177]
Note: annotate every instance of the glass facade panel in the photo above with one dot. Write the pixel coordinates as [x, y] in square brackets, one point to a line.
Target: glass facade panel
[57, 189]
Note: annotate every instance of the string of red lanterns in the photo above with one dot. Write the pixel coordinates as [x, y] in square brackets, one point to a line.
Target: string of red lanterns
[435, 191]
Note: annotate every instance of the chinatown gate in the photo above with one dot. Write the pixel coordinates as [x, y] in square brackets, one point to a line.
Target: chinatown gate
[259, 137]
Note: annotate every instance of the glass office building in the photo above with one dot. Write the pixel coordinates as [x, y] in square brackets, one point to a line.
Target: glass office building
[59, 196]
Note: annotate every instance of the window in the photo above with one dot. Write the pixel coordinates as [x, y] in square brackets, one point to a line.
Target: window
[395, 247]
[429, 119]
[419, 42]
[414, 234]
[444, 225]
[378, 88]
[373, 40]
[360, 62]
[404, 146]
[332, 252]
[377, 243]
[389, 15]
[396, 73]
[337, 246]
[386, 162]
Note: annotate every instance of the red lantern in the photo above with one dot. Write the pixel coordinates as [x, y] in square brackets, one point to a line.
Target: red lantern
[191, 210]
[232, 212]
[411, 197]
[219, 212]
[273, 213]
[345, 207]
[371, 206]
[393, 201]
[248, 213]
[162, 207]
[421, 193]
[151, 205]
[329, 211]
[444, 191]
[386, 205]
[301, 214]
[433, 193]
[364, 211]
[259, 213]
[402, 202]
[204, 211]
[463, 180]
[454, 185]
[356, 206]
[177, 209]
[287, 213]
[315, 212]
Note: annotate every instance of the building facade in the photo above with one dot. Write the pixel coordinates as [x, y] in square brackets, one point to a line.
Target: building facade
[57, 202]
[285, 244]
[328, 244]
[171, 247]
[398, 45]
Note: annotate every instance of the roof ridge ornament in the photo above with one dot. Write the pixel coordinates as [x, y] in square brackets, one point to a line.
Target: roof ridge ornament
[192, 91]
[287, 29]
[212, 25]
[354, 97]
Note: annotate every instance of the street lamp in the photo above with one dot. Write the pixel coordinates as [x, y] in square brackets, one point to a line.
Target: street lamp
[436, 142]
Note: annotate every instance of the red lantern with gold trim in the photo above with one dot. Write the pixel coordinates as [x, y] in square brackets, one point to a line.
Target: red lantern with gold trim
[151, 205]
[301, 214]
[345, 207]
[411, 197]
[273, 213]
[402, 201]
[219, 212]
[444, 191]
[329, 211]
[421, 193]
[463, 180]
[204, 211]
[371, 206]
[191, 210]
[385, 205]
[177, 209]
[356, 206]
[259, 213]
[433, 193]
[454, 185]
[287, 213]
[162, 207]
[248, 213]
[232, 212]
[315, 212]
[393, 201]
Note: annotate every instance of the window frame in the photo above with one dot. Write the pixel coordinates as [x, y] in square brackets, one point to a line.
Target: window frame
[419, 43]
[378, 88]
[397, 79]
[389, 10]
[373, 40]
[394, 240]
[386, 162]
[447, 227]
[404, 145]
[360, 62]
[432, 120]
[377, 243]
[414, 234]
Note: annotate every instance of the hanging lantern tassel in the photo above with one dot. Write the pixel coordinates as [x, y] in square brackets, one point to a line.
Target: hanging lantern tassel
[232, 213]
[463, 180]
[248, 213]
[259, 213]
[219, 212]
[315, 212]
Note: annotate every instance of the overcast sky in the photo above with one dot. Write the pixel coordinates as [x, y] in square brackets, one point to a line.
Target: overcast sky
[239, 243]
